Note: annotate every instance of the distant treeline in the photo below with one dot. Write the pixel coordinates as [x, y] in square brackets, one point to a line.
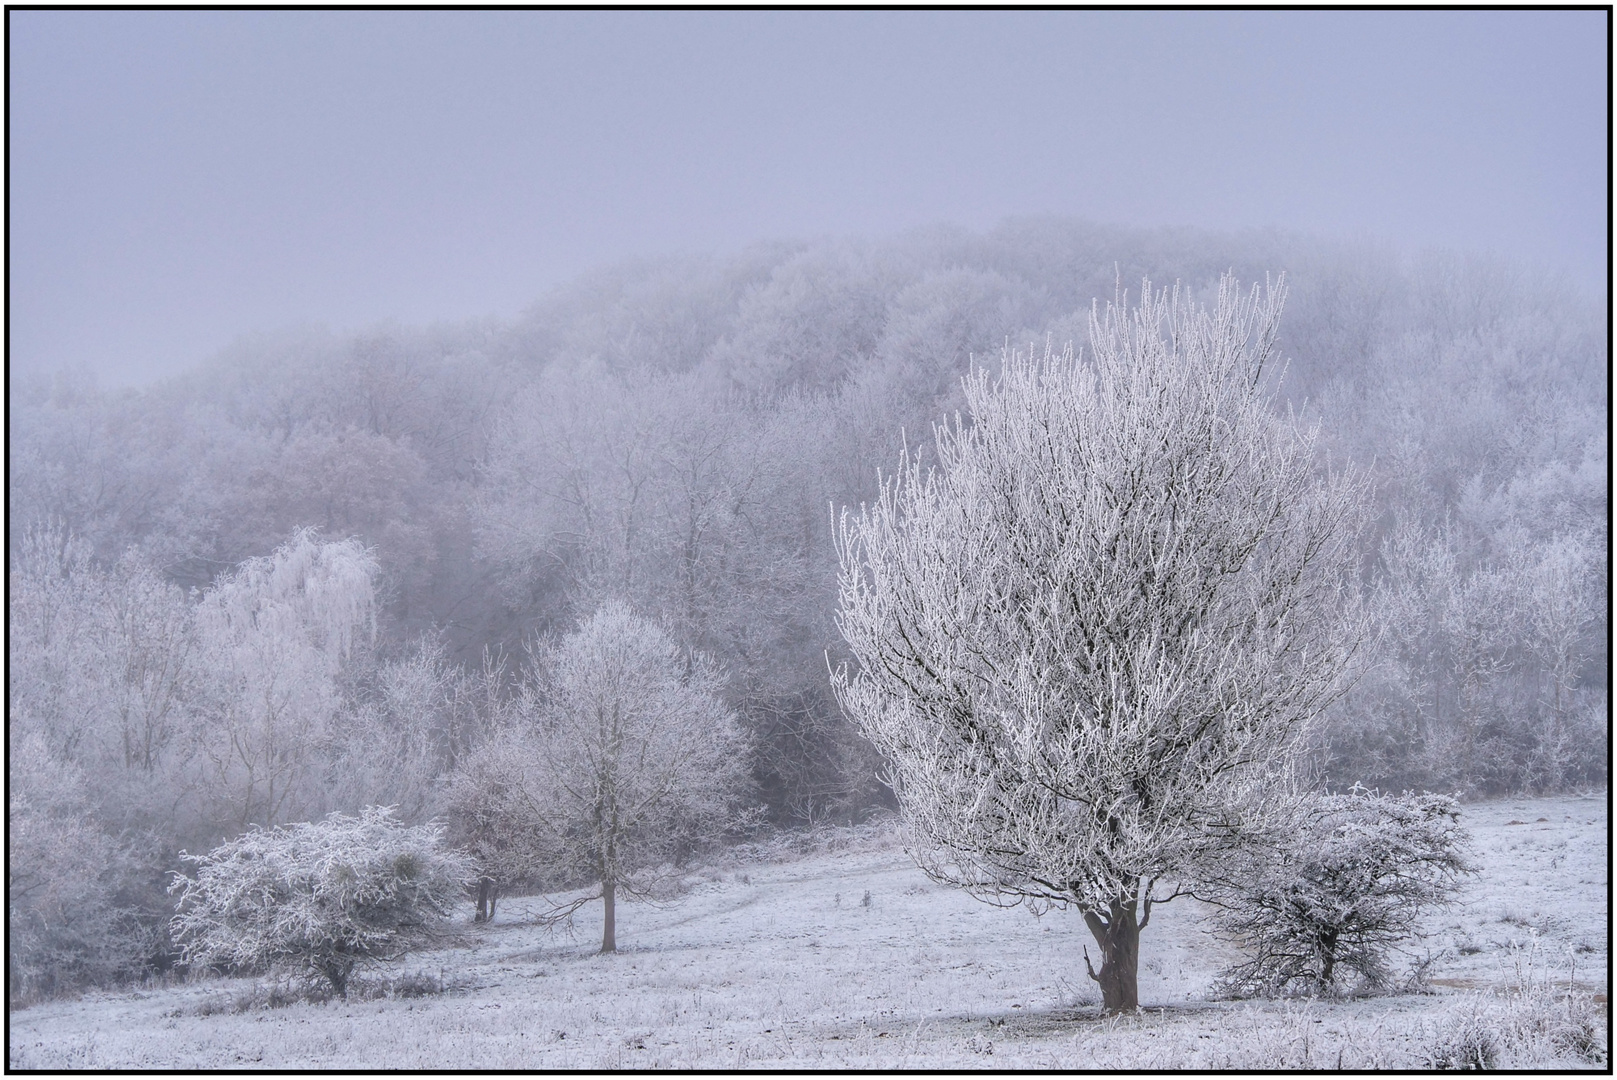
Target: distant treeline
[677, 435]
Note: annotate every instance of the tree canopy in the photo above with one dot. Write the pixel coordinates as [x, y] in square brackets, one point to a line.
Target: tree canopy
[1106, 616]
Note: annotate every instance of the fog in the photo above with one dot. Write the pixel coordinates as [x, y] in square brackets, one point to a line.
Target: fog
[752, 486]
[179, 179]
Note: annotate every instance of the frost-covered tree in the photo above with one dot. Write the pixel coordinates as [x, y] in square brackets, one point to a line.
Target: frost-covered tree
[69, 916]
[628, 758]
[818, 316]
[101, 709]
[1333, 892]
[398, 737]
[101, 662]
[1484, 668]
[489, 816]
[319, 897]
[1105, 618]
[1572, 740]
[276, 631]
[351, 483]
[633, 483]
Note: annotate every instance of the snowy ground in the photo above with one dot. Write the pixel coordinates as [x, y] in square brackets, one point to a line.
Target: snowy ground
[851, 958]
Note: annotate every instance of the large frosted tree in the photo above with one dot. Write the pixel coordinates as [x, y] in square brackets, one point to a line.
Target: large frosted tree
[1092, 637]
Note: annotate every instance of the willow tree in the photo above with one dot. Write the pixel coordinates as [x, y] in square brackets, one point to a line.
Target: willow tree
[1092, 637]
[276, 632]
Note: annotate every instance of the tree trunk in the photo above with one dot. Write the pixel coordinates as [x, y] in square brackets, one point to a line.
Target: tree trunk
[337, 970]
[609, 938]
[485, 900]
[1327, 942]
[1118, 935]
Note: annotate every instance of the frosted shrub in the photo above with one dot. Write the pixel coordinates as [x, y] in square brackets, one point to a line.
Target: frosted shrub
[317, 897]
[1553, 1027]
[1466, 1044]
[1544, 1019]
[1332, 896]
[1526, 1026]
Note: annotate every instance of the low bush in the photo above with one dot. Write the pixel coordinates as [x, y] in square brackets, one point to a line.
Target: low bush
[1323, 904]
[1466, 1043]
[317, 898]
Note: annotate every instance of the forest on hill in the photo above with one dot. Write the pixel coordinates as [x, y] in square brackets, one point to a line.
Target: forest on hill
[678, 436]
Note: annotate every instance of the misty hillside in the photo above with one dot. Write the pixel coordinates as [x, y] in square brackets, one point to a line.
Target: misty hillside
[678, 435]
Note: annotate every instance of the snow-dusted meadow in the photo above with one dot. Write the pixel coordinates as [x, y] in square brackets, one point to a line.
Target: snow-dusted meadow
[841, 954]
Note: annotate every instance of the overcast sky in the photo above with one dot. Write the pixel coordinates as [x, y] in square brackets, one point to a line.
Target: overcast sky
[178, 179]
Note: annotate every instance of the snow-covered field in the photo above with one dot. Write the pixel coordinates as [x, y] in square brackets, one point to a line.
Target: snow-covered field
[848, 957]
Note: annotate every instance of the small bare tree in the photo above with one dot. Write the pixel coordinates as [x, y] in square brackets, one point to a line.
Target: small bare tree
[1105, 619]
[628, 758]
